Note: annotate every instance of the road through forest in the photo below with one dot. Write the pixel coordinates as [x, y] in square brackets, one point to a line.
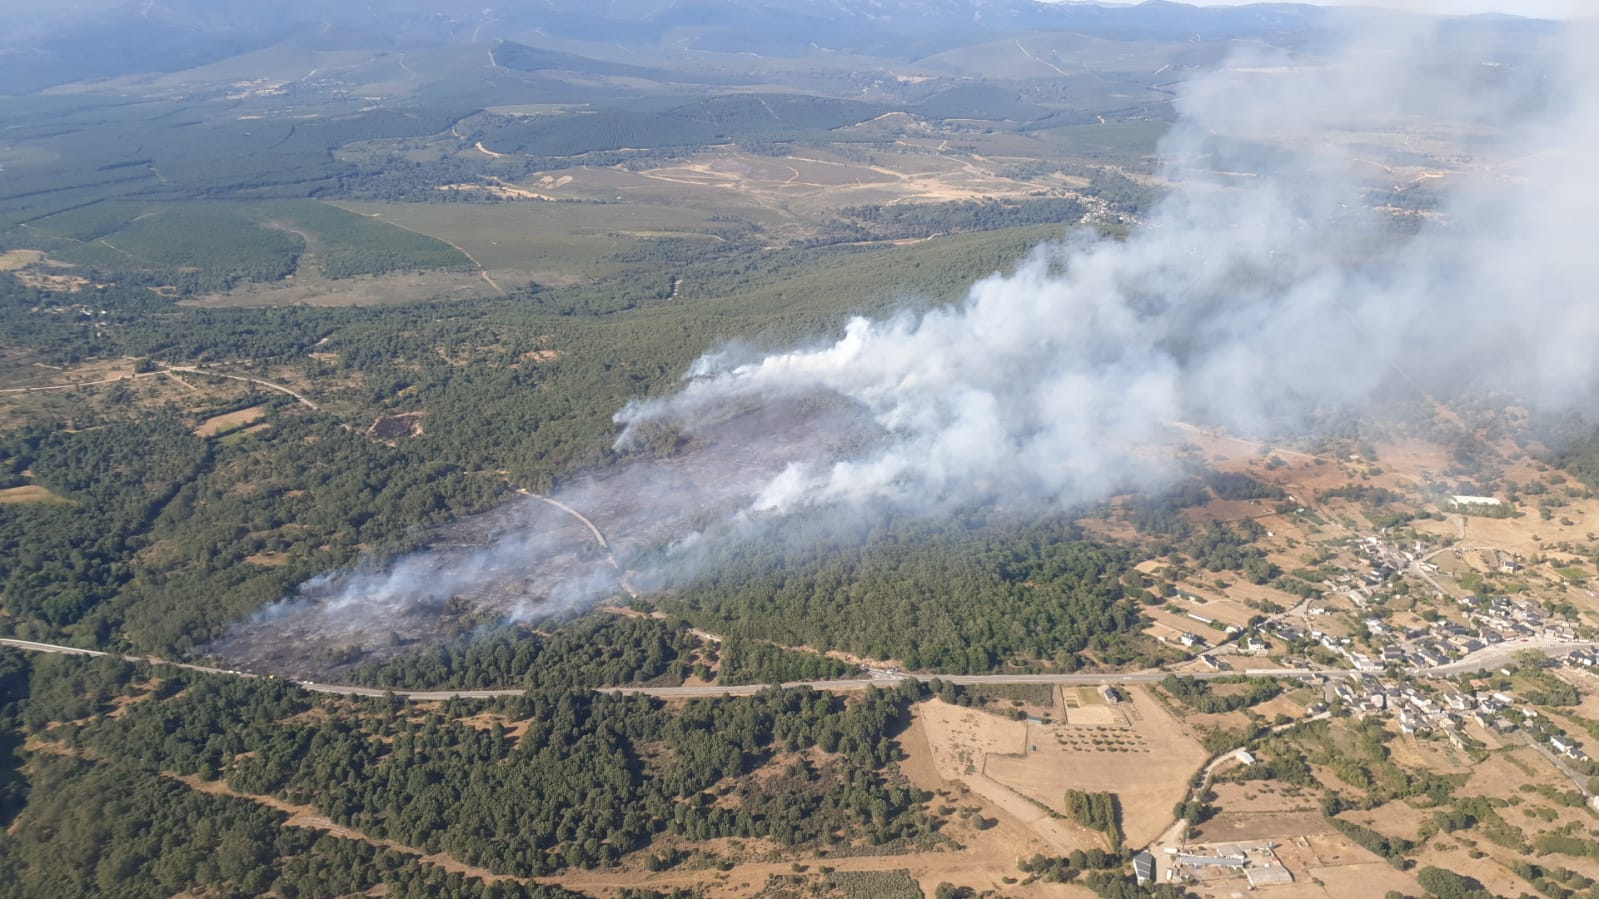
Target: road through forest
[877, 678]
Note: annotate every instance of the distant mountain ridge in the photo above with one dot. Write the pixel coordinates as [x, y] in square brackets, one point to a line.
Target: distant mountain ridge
[87, 40]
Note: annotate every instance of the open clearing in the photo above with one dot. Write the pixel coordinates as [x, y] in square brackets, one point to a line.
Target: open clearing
[987, 855]
[365, 290]
[1093, 756]
[1326, 866]
[1322, 861]
[552, 243]
[779, 189]
[28, 493]
[1026, 768]
[11, 260]
[232, 421]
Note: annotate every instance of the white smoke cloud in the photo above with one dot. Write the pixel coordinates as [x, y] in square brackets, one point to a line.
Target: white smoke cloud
[1267, 290]
[1264, 290]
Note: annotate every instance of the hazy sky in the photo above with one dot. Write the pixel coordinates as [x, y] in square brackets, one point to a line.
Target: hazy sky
[1541, 8]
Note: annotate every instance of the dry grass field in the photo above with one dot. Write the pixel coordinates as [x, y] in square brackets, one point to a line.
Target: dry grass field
[551, 243]
[12, 260]
[28, 493]
[366, 290]
[778, 188]
[1027, 768]
[232, 421]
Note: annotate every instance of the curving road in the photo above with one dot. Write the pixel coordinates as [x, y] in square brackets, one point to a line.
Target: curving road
[599, 537]
[189, 369]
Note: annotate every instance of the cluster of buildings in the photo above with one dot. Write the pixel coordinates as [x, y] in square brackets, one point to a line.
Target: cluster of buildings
[1257, 861]
[1419, 710]
[1448, 711]
[1502, 617]
[1488, 622]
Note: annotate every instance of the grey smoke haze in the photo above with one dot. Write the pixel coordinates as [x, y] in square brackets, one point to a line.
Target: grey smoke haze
[1250, 299]
[1264, 291]
[531, 559]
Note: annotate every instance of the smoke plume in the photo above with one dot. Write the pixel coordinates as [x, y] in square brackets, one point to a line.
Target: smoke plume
[1412, 209]
[1270, 286]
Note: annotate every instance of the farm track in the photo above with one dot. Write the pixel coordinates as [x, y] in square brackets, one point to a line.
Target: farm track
[170, 372]
[458, 248]
[299, 397]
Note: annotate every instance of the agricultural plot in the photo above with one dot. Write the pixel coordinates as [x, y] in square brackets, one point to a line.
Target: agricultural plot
[1098, 757]
[552, 243]
[348, 245]
[227, 423]
[793, 190]
[1028, 766]
[204, 247]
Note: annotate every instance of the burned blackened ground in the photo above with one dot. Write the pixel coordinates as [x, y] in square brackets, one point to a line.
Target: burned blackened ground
[506, 564]
[534, 560]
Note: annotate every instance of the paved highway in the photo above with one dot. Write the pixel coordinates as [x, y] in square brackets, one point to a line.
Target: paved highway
[877, 678]
[1502, 654]
[1491, 657]
[49, 647]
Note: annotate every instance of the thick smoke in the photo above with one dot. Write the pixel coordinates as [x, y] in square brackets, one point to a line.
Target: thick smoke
[1413, 210]
[538, 558]
[1268, 288]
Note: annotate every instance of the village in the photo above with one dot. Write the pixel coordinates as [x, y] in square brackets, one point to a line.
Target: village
[1454, 646]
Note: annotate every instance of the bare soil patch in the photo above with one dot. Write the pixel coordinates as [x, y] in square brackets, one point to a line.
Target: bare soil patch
[29, 493]
[390, 428]
[1054, 758]
[232, 421]
[11, 260]
[42, 279]
[960, 741]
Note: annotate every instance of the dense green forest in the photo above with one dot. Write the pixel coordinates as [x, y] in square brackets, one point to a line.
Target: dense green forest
[596, 650]
[159, 557]
[1200, 696]
[153, 544]
[192, 248]
[929, 219]
[966, 595]
[599, 649]
[523, 786]
[121, 829]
